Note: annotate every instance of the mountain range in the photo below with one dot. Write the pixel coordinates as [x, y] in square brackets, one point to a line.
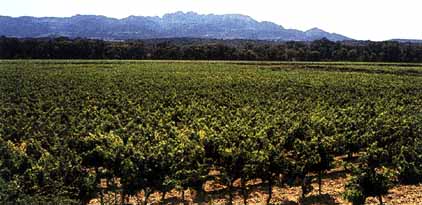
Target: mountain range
[173, 25]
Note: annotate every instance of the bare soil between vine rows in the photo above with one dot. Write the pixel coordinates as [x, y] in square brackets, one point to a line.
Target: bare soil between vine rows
[333, 187]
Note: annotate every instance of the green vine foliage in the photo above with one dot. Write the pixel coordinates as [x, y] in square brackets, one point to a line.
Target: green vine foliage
[73, 131]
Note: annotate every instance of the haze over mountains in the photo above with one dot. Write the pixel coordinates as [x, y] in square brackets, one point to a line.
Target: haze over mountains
[174, 25]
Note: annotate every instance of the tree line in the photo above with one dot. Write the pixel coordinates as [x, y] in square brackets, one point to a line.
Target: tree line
[209, 49]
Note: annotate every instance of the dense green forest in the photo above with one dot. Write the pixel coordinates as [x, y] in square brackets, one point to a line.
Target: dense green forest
[71, 131]
[206, 49]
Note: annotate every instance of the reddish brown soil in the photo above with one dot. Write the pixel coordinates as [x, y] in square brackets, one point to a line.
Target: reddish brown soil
[333, 187]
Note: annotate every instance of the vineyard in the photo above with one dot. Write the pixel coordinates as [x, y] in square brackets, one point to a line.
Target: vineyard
[118, 132]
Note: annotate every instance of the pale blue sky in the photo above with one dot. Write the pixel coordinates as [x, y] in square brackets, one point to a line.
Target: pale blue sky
[359, 19]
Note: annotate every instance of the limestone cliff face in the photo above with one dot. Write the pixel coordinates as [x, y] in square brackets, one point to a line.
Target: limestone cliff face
[174, 25]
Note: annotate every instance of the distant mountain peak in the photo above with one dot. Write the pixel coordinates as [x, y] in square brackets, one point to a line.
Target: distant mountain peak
[317, 33]
[181, 14]
[315, 30]
[173, 25]
[239, 16]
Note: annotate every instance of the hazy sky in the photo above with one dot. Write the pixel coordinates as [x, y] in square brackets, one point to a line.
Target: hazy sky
[359, 19]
